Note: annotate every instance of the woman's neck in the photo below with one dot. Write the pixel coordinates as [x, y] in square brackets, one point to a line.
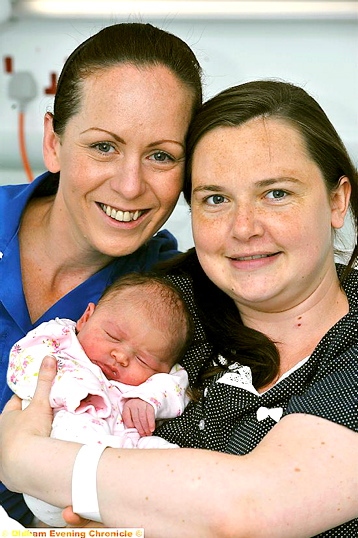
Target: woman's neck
[55, 238]
[297, 330]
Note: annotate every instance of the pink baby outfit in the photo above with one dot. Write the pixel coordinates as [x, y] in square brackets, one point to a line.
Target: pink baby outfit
[87, 406]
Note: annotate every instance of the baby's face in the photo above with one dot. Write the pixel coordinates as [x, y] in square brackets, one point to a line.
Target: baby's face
[122, 339]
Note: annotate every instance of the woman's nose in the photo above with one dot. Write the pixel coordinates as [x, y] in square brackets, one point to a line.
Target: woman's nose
[129, 180]
[247, 223]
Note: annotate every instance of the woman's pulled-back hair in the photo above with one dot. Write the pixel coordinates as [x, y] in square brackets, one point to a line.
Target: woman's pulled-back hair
[285, 101]
[139, 44]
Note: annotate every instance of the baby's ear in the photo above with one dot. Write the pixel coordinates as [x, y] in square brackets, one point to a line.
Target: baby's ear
[85, 316]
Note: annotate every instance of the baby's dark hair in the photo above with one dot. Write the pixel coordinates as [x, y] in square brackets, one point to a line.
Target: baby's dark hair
[165, 303]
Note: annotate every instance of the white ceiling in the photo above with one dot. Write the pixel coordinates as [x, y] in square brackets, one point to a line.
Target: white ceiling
[85, 9]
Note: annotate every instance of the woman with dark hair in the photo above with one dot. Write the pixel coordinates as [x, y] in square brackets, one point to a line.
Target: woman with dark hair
[270, 183]
[114, 149]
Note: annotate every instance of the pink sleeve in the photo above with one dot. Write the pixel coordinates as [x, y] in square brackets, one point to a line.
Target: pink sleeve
[165, 392]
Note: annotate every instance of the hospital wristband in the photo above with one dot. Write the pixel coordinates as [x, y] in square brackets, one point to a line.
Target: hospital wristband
[84, 481]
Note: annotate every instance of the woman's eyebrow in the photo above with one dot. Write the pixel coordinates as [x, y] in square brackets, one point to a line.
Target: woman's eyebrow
[261, 183]
[116, 137]
[210, 188]
[165, 140]
[272, 181]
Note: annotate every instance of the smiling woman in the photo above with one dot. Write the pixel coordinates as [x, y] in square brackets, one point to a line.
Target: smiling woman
[263, 250]
[110, 157]
[270, 178]
[114, 152]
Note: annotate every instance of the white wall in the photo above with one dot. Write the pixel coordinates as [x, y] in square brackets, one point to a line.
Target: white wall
[321, 55]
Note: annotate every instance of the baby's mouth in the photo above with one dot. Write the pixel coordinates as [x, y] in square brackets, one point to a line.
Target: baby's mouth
[121, 216]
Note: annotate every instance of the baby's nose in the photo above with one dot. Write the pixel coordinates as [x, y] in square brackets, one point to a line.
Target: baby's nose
[121, 357]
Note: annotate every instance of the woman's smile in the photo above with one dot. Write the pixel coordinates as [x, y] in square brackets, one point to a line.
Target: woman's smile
[121, 216]
[252, 262]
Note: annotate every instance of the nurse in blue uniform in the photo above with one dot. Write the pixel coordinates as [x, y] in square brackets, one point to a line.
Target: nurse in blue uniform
[114, 149]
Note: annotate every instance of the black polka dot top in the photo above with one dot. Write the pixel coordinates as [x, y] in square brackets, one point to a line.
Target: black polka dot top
[233, 417]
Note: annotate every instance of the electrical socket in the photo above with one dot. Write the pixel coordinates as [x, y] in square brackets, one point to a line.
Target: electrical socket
[22, 88]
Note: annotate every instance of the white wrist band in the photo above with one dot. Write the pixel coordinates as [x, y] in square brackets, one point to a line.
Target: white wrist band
[84, 481]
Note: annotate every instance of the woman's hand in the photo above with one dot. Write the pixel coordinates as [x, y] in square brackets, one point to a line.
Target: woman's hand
[18, 427]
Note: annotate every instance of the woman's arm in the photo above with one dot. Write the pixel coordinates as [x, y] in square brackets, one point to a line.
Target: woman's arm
[300, 480]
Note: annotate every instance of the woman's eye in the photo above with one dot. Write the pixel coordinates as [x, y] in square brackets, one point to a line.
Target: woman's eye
[276, 194]
[103, 147]
[215, 199]
[161, 157]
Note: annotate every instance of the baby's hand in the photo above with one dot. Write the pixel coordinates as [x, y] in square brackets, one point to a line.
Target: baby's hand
[140, 415]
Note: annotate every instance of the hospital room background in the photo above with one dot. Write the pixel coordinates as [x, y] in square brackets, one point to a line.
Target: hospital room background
[313, 44]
